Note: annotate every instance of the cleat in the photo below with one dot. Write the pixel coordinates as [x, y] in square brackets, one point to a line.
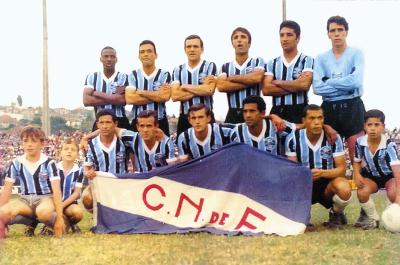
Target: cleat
[30, 229]
[370, 224]
[361, 219]
[75, 229]
[336, 220]
[46, 231]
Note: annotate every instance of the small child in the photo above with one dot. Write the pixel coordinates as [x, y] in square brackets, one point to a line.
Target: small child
[41, 195]
[376, 165]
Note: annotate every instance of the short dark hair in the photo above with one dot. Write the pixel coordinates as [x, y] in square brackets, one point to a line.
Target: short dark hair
[311, 107]
[192, 37]
[147, 114]
[70, 140]
[106, 112]
[33, 131]
[292, 25]
[148, 42]
[375, 113]
[200, 106]
[241, 29]
[107, 48]
[338, 20]
[261, 106]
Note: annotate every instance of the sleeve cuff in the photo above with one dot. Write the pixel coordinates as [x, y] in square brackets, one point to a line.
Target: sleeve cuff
[395, 163]
[356, 159]
[290, 153]
[338, 154]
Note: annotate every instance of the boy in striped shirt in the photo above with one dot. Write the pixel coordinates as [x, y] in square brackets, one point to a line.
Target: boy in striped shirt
[40, 183]
[376, 165]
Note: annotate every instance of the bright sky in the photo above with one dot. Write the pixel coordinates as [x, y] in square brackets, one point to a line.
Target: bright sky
[79, 29]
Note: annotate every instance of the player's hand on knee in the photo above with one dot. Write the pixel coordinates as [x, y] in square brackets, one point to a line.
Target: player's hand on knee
[59, 228]
[359, 180]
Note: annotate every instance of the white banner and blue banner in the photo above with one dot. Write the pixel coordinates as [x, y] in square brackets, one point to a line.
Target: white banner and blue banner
[234, 190]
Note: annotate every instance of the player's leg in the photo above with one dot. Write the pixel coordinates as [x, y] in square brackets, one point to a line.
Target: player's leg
[10, 210]
[390, 187]
[339, 191]
[369, 217]
[74, 214]
[87, 199]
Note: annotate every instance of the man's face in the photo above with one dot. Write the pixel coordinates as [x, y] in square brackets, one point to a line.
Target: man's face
[193, 50]
[314, 121]
[32, 145]
[337, 34]
[147, 55]
[69, 152]
[199, 120]
[288, 39]
[108, 59]
[251, 115]
[374, 128]
[240, 42]
[106, 125]
[146, 128]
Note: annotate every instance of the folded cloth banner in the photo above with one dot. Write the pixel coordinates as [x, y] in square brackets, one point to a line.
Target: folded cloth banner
[234, 190]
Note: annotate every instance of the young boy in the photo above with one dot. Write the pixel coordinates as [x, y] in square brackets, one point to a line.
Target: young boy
[41, 196]
[376, 165]
[71, 176]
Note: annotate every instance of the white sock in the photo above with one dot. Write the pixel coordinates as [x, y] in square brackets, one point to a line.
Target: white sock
[369, 209]
[339, 204]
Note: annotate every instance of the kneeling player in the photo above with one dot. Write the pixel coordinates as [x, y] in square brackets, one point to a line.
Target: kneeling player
[381, 170]
[311, 148]
[40, 184]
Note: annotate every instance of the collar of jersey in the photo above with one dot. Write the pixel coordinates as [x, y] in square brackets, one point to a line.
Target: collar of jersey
[32, 167]
[190, 69]
[111, 79]
[73, 169]
[286, 63]
[262, 133]
[241, 67]
[319, 142]
[107, 149]
[149, 76]
[146, 148]
[202, 143]
[382, 144]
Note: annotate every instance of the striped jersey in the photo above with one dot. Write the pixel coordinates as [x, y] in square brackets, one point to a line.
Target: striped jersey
[99, 82]
[140, 80]
[268, 140]
[321, 155]
[34, 178]
[218, 136]
[112, 159]
[280, 69]
[70, 181]
[184, 74]
[146, 158]
[378, 164]
[235, 99]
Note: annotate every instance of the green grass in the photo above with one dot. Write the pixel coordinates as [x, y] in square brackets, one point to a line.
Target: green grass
[346, 246]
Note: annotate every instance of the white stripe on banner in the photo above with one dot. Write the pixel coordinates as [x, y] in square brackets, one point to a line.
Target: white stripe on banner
[185, 206]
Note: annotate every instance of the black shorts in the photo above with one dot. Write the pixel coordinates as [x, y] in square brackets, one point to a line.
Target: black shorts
[162, 124]
[318, 193]
[345, 116]
[234, 116]
[123, 122]
[380, 182]
[291, 113]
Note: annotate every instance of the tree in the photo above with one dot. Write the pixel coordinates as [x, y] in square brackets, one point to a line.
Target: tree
[19, 99]
[59, 124]
[37, 120]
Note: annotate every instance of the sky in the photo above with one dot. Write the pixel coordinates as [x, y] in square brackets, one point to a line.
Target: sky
[79, 29]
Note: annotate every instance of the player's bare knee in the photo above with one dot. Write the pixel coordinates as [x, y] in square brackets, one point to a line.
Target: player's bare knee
[44, 215]
[342, 188]
[77, 213]
[87, 202]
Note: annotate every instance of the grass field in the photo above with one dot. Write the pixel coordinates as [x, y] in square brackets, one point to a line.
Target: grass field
[323, 246]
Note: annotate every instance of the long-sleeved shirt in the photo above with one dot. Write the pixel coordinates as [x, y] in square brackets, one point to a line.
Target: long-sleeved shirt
[338, 79]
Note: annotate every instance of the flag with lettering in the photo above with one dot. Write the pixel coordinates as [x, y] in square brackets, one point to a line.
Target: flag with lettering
[236, 189]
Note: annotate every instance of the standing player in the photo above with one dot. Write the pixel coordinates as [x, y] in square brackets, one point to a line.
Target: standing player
[40, 184]
[148, 87]
[204, 136]
[259, 131]
[106, 90]
[289, 76]
[105, 152]
[381, 168]
[193, 82]
[311, 148]
[241, 77]
[338, 78]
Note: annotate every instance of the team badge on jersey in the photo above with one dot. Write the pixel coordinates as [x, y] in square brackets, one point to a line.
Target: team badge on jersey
[326, 152]
[249, 69]
[43, 175]
[202, 76]
[296, 72]
[270, 143]
[120, 157]
[156, 85]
